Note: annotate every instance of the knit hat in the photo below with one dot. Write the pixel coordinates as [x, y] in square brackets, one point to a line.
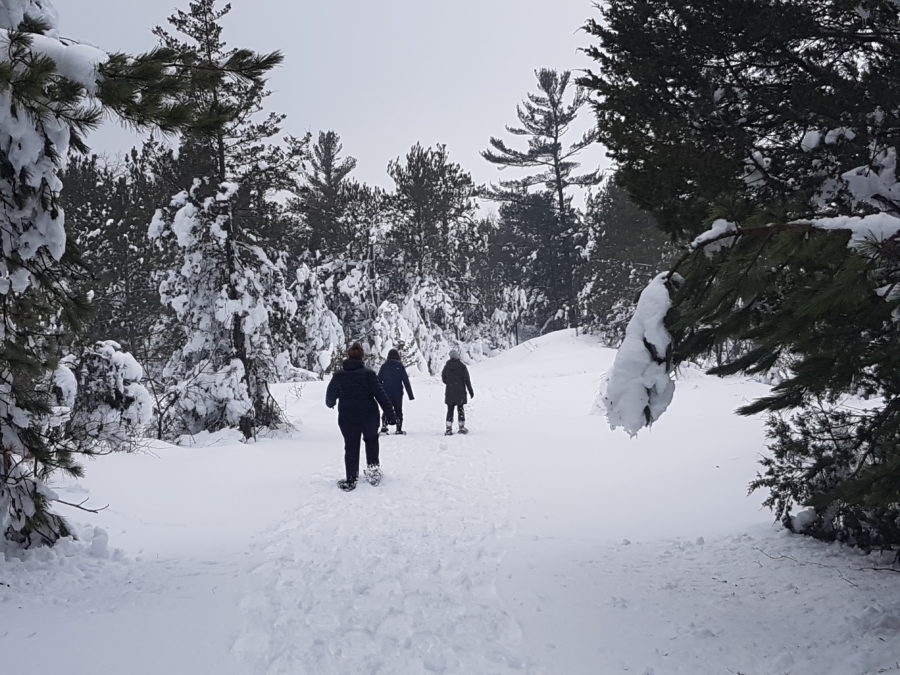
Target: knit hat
[454, 354]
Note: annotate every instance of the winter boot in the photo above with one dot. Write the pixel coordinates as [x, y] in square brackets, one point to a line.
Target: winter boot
[462, 428]
[346, 485]
[383, 429]
[400, 431]
[449, 431]
[373, 474]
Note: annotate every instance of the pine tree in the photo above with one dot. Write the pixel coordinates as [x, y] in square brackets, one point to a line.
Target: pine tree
[50, 95]
[624, 251]
[227, 292]
[107, 209]
[324, 196]
[545, 119]
[432, 206]
[523, 246]
[773, 128]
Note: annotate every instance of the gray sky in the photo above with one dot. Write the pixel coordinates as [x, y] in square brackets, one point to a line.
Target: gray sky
[382, 73]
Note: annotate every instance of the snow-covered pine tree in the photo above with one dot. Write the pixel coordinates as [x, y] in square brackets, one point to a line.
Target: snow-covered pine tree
[431, 244]
[226, 291]
[546, 119]
[765, 134]
[52, 91]
[391, 330]
[321, 333]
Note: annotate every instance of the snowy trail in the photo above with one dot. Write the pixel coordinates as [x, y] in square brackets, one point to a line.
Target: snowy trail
[400, 578]
[540, 543]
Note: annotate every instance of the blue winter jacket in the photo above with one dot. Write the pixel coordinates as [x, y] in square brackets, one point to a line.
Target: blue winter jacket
[393, 378]
[357, 391]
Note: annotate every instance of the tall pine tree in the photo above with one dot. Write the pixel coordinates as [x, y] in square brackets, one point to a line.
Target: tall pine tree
[227, 292]
[323, 198]
[545, 119]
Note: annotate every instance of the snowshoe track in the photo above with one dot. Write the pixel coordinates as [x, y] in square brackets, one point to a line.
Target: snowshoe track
[415, 566]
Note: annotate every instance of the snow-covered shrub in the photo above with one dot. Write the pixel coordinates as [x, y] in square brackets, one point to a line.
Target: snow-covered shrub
[391, 330]
[438, 325]
[818, 474]
[98, 406]
[109, 407]
[505, 321]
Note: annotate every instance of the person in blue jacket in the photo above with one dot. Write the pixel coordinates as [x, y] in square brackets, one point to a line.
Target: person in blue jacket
[393, 378]
[357, 392]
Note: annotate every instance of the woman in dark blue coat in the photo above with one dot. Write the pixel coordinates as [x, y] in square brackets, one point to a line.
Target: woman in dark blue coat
[393, 378]
[357, 393]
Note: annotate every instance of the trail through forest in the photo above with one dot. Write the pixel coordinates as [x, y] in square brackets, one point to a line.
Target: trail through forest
[540, 543]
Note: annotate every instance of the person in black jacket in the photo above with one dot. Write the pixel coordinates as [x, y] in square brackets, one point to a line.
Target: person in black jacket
[456, 378]
[358, 393]
[393, 378]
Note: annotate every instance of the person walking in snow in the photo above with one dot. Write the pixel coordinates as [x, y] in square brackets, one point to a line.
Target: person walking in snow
[455, 377]
[393, 378]
[358, 393]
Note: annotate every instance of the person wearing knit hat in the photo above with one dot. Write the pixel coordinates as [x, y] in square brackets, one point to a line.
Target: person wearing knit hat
[356, 391]
[393, 378]
[457, 383]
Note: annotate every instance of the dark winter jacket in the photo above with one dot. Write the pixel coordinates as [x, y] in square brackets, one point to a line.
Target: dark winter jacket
[393, 378]
[356, 389]
[456, 376]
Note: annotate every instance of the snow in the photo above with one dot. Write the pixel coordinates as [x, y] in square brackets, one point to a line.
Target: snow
[713, 239]
[863, 229]
[639, 388]
[877, 183]
[540, 543]
[64, 379]
[79, 63]
[839, 133]
[12, 13]
[811, 140]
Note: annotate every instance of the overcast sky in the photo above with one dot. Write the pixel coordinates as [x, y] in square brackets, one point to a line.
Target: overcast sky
[382, 73]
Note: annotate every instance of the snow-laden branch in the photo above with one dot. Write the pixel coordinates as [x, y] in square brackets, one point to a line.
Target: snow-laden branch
[74, 61]
[640, 387]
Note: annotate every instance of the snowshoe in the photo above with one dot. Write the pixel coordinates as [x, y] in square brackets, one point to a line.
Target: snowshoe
[373, 474]
[346, 485]
[463, 430]
[449, 432]
[400, 432]
[383, 430]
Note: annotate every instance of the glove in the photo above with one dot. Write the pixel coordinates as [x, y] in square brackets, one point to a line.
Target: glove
[330, 406]
[412, 398]
[472, 395]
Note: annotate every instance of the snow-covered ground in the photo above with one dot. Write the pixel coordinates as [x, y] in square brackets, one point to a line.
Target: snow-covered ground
[540, 543]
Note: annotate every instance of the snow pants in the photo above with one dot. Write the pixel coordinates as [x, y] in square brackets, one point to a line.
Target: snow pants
[355, 427]
[398, 413]
[460, 412]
